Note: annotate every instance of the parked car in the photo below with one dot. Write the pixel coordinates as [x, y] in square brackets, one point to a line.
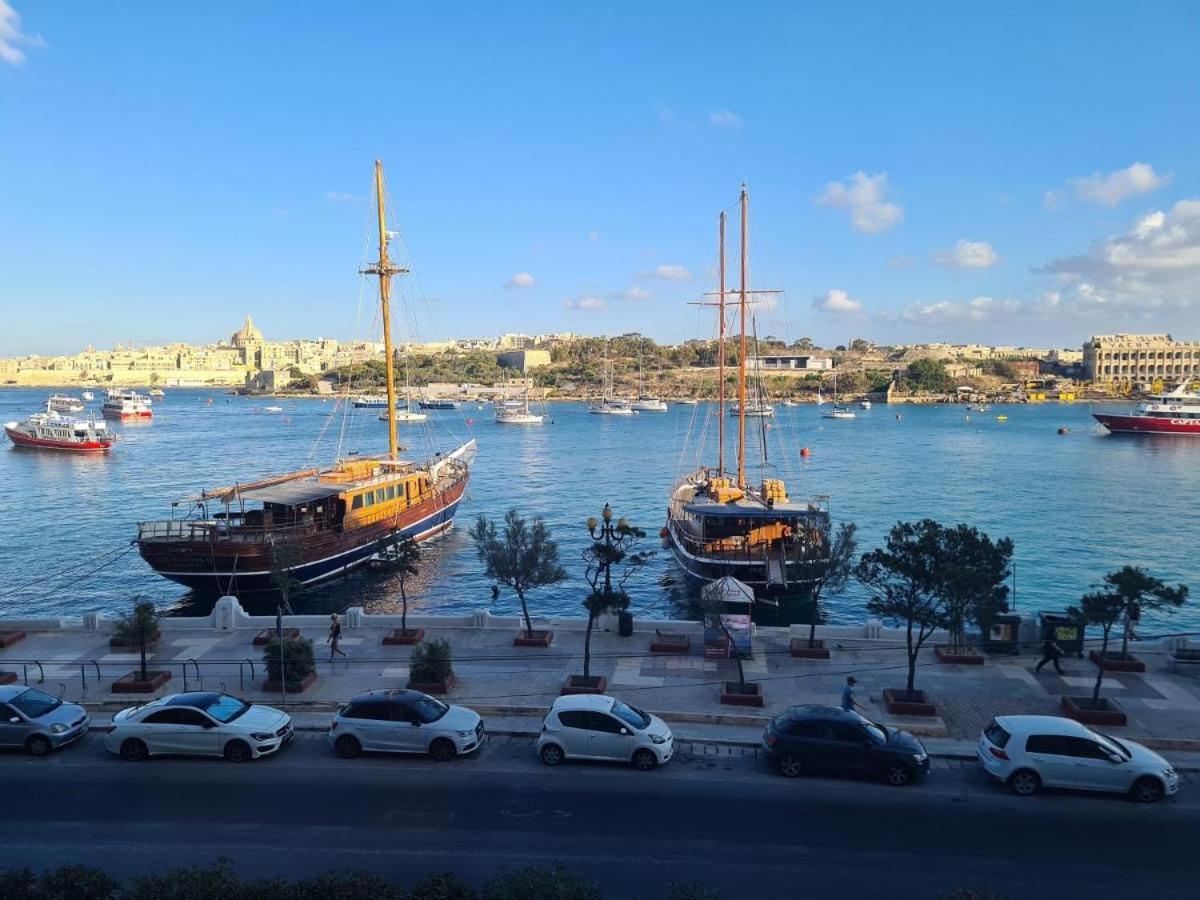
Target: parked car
[405, 722]
[38, 722]
[592, 726]
[1031, 752]
[828, 739]
[199, 723]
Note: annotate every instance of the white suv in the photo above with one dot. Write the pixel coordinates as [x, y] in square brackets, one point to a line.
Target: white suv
[591, 726]
[1029, 752]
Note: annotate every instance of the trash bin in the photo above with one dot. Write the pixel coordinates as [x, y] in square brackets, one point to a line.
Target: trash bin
[625, 624]
[1064, 630]
[1004, 636]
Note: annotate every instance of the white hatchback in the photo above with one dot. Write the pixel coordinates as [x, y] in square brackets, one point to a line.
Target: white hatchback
[394, 721]
[198, 723]
[1031, 752]
[592, 726]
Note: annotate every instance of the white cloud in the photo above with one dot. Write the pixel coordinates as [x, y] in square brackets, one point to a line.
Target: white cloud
[669, 273]
[11, 35]
[837, 301]
[521, 280]
[1111, 189]
[724, 118]
[588, 303]
[1052, 200]
[635, 293]
[332, 196]
[968, 255]
[865, 198]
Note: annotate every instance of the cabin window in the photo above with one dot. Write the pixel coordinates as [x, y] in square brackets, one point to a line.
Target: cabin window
[379, 495]
[357, 502]
[391, 492]
[408, 490]
[370, 495]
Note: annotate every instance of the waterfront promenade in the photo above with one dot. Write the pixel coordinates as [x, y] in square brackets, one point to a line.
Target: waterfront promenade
[512, 687]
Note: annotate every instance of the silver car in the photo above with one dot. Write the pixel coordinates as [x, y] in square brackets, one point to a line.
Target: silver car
[405, 722]
[38, 722]
[199, 723]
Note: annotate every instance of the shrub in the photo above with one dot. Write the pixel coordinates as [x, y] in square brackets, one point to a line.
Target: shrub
[18, 884]
[189, 883]
[345, 886]
[691, 890]
[441, 887]
[539, 883]
[430, 663]
[297, 656]
[76, 883]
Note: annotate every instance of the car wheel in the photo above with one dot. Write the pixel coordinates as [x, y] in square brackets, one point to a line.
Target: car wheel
[133, 750]
[790, 765]
[897, 774]
[38, 745]
[443, 750]
[238, 752]
[551, 754]
[1024, 782]
[348, 747]
[644, 760]
[1147, 790]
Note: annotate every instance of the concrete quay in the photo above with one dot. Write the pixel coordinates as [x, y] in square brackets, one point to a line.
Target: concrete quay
[513, 686]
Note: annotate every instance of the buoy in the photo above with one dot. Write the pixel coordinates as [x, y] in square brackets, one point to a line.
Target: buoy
[804, 451]
[897, 417]
[1062, 431]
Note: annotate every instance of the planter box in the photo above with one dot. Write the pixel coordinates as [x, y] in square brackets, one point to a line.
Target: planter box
[119, 643]
[433, 687]
[1113, 661]
[264, 637]
[576, 684]
[274, 687]
[967, 657]
[8, 677]
[8, 638]
[733, 694]
[800, 649]
[395, 639]
[132, 684]
[1082, 709]
[539, 639]
[901, 703]
[666, 642]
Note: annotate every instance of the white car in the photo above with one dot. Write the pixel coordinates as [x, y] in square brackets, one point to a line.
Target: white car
[1031, 752]
[592, 726]
[200, 723]
[405, 722]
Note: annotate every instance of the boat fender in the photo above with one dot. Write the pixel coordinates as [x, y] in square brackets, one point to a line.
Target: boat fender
[664, 532]
[804, 451]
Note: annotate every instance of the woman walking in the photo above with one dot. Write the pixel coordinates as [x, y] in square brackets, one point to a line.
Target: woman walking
[335, 635]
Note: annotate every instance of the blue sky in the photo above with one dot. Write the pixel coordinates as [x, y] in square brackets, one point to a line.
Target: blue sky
[1017, 172]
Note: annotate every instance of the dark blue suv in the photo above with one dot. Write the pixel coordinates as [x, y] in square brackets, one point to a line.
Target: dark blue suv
[828, 739]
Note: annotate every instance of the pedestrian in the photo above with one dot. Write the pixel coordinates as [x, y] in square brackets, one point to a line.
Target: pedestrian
[1050, 654]
[335, 635]
[848, 701]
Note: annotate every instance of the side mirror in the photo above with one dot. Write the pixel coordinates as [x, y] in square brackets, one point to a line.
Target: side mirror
[15, 720]
[1116, 758]
[625, 731]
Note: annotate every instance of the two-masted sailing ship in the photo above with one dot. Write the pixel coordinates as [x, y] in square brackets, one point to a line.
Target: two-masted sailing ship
[719, 524]
[316, 523]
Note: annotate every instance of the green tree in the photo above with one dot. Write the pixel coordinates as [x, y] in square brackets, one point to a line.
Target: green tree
[972, 573]
[929, 375]
[399, 556]
[290, 656]
[140, 627]
[539, 883]
[524, 557]
[833, 573]
[611, 549]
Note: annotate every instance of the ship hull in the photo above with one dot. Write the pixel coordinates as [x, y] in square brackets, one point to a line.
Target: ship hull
[1148, 424]
[20, 439]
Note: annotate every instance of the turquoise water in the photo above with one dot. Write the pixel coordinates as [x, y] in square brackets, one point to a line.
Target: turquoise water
[1076, 505]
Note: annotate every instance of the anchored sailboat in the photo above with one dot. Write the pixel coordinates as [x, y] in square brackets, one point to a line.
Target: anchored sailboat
[329, 520]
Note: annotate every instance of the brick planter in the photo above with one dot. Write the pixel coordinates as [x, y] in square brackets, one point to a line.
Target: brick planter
[1082, 709]
[665, 642]
[274, 687]
[1113, 661]
[733, 694]
[118, 643]
[132, 684]
[900, 702]
[8, 677]
[433, 687]
[8, 638]
[538, 639]
[800, 649]
[394, 638]
[264, 637]
[966, 658]
[577, 684]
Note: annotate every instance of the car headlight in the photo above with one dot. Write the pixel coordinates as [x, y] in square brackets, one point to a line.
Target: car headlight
[658, 739]
[1169, 773]
[58, 728]
[470, 732]
[263, 736]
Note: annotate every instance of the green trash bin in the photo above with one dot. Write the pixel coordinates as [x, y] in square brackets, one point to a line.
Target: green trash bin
[1064, 630]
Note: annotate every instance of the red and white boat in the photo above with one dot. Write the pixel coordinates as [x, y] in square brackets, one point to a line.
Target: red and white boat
[126, 405]
[1173, 412]
[50, 431]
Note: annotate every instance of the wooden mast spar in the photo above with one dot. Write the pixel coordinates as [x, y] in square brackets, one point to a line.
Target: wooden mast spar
[741, 456]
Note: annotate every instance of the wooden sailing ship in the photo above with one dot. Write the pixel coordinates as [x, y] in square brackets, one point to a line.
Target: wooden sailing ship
[316, 523]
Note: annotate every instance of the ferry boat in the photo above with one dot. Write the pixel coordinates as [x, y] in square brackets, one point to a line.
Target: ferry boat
[1171, 412]
[126, 404]
[335, 518]
[62, 403]
[369, 402]
[718, 524]
[50, 431]
[438, 404]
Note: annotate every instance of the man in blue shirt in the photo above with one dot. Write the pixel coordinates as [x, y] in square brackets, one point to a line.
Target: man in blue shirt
[848, 701]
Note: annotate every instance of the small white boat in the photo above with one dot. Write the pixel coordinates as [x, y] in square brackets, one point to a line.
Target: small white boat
[864, 404]
[691, 402]
[612, 407]
[62, 403]
[273, 409]
[157, 392]
[88, 396]
[404, 415]
[649, 404]
[507, 414]
[839, 412]
[754, 410]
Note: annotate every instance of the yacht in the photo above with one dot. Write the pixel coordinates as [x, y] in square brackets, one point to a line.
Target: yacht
[1170, 412]
[838, 410]
[610, 405]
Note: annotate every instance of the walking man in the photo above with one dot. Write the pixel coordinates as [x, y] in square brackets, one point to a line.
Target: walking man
[1050, 654]
[335, 635]
[849, 703]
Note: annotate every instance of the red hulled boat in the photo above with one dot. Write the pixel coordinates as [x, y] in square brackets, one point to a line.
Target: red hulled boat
[50, 431]
[126, 405]
[1173, 412]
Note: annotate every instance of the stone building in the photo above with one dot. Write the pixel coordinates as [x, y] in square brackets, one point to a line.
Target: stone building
[1129, 359]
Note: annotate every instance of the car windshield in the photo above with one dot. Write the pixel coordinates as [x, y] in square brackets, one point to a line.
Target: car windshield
[224, 708]
[429, 709]
[878, 733]
[630, 715]
[1111, 743]
[34, 703]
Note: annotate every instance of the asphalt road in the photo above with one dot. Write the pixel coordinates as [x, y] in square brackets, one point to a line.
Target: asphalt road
[721, 820]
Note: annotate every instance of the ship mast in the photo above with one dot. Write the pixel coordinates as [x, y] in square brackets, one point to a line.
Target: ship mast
[721, 355]
[741, 454]
[385, 270]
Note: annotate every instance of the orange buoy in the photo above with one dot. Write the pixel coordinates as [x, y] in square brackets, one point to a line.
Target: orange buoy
[804, 451]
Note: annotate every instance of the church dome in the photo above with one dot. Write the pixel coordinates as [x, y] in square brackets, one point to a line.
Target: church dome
[247, 334]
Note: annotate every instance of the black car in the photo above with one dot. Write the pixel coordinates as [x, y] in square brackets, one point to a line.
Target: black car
[828, 739]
